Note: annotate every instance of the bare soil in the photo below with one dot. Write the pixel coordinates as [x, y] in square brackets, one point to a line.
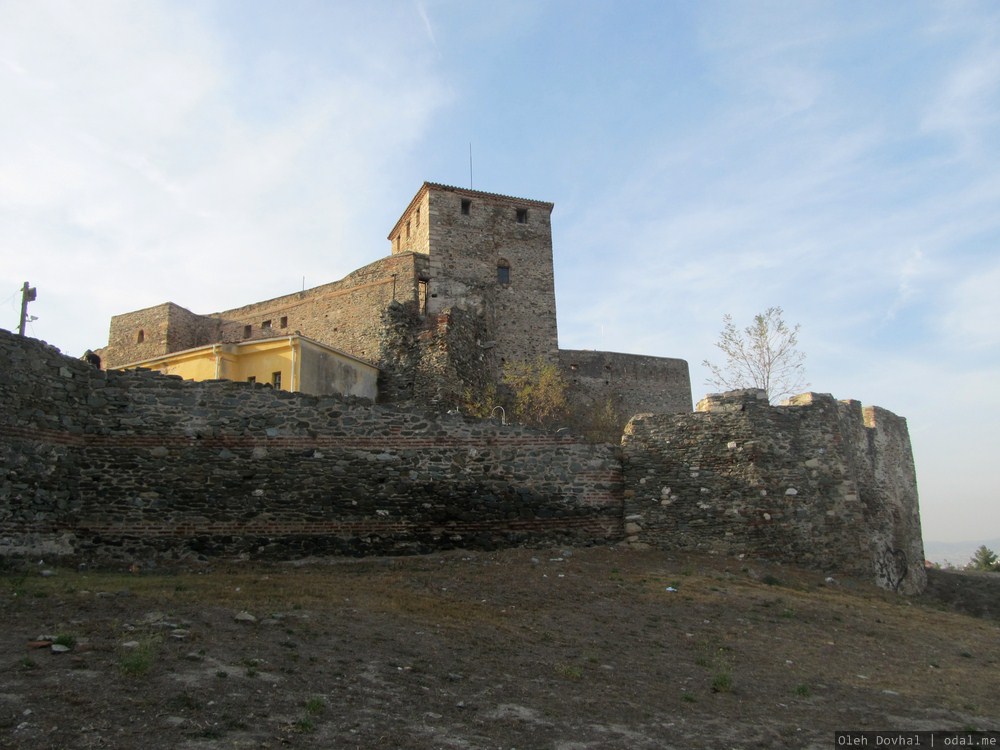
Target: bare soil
[571, 649]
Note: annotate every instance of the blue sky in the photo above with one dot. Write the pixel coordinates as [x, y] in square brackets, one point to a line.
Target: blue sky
[836, 159]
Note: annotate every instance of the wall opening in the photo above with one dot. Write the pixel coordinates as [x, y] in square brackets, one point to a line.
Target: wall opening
[466, 206]
[503, 272]
[276, 380]
[522, 216]
[266, 325]
[284, 321]
[140, 336]
[247, 331]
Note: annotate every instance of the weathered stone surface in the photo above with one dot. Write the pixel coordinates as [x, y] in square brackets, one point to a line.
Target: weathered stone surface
[817, 481]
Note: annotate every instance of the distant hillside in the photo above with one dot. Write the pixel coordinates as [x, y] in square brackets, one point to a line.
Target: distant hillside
[956, 553]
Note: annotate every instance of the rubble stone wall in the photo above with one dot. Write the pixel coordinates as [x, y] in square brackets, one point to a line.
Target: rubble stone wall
[819, 482]
[119, 466]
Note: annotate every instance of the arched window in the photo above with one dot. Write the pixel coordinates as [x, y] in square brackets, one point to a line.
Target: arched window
[140, 337]
[503, 272]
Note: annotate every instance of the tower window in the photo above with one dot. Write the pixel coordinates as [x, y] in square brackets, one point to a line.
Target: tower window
[418, 216]
[284, 321]
[503, 272]
[466, 206]
[247, 331]
[140, 337]
[522, 216]
[407, 230]
[266, 325]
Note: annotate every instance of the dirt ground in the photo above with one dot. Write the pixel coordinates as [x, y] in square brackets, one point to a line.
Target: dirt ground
[570, 649]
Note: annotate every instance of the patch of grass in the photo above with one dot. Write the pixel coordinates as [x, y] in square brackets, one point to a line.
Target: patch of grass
[803, 691]
[722, 682]
[569, 671]
[65, 639]
[27, 663]
[770, 580]
[305, 726]
[136, 662]
[315, 705]
[688, 698]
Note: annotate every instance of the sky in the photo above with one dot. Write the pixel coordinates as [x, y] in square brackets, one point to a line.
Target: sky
[839, 160]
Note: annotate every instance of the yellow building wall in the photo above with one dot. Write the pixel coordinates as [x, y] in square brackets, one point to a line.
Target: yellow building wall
[197, 366]
[261, 361]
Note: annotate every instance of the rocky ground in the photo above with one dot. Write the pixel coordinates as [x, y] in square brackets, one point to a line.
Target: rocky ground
[569, 649]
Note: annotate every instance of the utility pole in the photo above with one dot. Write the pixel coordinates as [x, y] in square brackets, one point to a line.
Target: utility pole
[28, 294]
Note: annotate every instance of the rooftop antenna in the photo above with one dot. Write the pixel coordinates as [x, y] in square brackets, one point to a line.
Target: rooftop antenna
[470, 165]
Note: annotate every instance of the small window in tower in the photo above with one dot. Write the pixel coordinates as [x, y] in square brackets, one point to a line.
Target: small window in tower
[407, 230]
[266, 325]
[466, 206]
[276, 380]
[140, 337]
[503, 272]
[247, 331]
[418, 216]
[522, 216]
[284, 321]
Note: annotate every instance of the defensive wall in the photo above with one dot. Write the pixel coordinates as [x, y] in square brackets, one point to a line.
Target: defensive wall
[110, 466]
[824, 483]
[119, 466]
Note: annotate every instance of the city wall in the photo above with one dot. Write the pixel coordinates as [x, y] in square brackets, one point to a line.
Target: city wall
[825, 483]
[110, 466]
[119, 466]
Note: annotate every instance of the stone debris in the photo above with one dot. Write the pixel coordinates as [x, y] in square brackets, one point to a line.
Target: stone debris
[245, 617]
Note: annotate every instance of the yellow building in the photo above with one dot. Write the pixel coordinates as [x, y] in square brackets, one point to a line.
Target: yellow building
[291, 363]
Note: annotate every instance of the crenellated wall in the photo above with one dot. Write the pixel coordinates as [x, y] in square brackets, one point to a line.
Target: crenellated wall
[821, 482]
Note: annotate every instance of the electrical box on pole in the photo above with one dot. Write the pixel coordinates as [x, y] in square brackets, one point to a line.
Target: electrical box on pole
[28, 294]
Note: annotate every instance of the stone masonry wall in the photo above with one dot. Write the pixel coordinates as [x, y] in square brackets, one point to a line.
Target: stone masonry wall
[124, 466]
[629, 383]
[345, 314]
[465, 250]
[815, 482]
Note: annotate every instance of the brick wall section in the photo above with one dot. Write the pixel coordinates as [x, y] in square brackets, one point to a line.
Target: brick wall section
[816, 483]
[119, 466]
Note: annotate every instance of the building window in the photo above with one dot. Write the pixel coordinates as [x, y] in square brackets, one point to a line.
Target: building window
[418, 216]
[503, 272]
[140, 337]
[284, 321]
[251, 380]
[522, 216]
[466, 206]
[266, 325]
[407, 230]
[276, 380]
[247, 331]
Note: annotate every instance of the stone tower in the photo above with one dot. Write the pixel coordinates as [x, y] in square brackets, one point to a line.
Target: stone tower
[490, 255]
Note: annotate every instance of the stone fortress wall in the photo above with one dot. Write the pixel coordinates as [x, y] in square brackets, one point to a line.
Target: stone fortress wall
[137, 466]
[817, 481]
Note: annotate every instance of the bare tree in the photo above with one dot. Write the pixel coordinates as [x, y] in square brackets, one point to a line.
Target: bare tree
[763, 355]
